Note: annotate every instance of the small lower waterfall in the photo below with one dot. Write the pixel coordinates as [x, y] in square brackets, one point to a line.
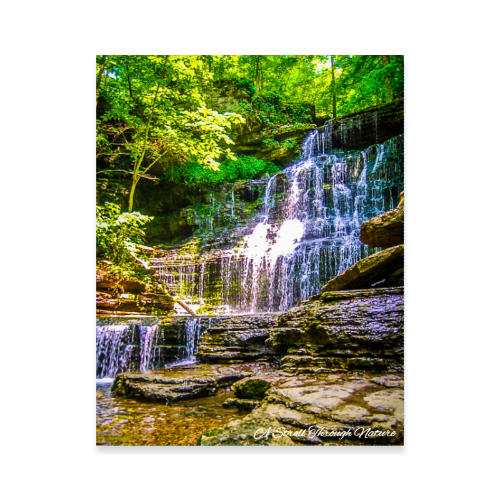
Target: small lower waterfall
[148, 336]
[146, 344]
[113, 349]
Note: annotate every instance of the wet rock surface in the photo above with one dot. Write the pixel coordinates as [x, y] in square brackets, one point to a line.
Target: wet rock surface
[341, 331]
[320, 410]
[184, 382]
[238, 339]
[247, 404]
[385, 230]
[380, 269]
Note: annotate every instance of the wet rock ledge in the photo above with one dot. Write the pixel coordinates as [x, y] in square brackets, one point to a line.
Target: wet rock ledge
[183, 382]
[344, 330]
[239, 339]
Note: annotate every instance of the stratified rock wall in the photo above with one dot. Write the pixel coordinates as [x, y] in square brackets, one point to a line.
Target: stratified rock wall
[370, 126]
[238, 339]
[338, 331]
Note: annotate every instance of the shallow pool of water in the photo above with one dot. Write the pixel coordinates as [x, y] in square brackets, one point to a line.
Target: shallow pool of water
[124, 421]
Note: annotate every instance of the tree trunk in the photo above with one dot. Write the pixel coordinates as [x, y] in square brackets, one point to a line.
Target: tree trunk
[185, 306]
[135, 180]
[386, 60]
[135, 175]
[334, 95]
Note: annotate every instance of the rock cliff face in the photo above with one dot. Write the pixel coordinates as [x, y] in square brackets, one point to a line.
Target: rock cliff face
[370, 126]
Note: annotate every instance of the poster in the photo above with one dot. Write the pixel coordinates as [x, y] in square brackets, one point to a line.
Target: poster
[250, 250]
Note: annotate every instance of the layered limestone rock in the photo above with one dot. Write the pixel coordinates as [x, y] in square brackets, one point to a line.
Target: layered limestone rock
[238, 339]
[321, 410]
[115, 296]
[183, 382]
[382, 268]
[369, 126]
[386, 230]
[340, 331]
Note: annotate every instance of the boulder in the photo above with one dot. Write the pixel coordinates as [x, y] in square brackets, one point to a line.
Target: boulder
[255, 387]
[386, 230]
[384, 267]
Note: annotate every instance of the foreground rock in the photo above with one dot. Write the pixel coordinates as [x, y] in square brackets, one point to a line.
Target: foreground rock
[184, 382]
[385, 268]
[239, 339]
[341, 331]
[321, 410]
[385, 230]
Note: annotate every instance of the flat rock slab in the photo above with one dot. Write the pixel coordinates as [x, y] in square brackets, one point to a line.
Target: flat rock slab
[176, 383]
[324, 410]
[243, 432]
[389, 381]
[385, 230]
[368, 271]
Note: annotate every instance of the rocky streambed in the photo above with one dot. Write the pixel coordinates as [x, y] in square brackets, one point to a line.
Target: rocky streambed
[327, 372]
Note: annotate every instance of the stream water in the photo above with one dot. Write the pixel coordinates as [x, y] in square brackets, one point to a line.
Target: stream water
[126, 421]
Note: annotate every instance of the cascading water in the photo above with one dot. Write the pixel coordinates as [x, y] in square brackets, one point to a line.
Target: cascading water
[328, 198]
[113, 349]
[148, 337]
[145, 344]
[307, 231]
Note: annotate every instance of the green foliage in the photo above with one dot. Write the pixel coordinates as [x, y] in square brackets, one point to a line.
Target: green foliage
[247, 85]
[117, 237]
[244, 168]
[271, 109]
[292, 87]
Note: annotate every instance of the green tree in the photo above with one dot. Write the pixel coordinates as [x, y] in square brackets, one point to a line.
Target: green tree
[154, 110]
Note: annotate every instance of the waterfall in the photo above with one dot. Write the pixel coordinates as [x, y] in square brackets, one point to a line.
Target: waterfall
[148, 335]
[193, 334]
[138, 344]
[113, 349]
[306, 233]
